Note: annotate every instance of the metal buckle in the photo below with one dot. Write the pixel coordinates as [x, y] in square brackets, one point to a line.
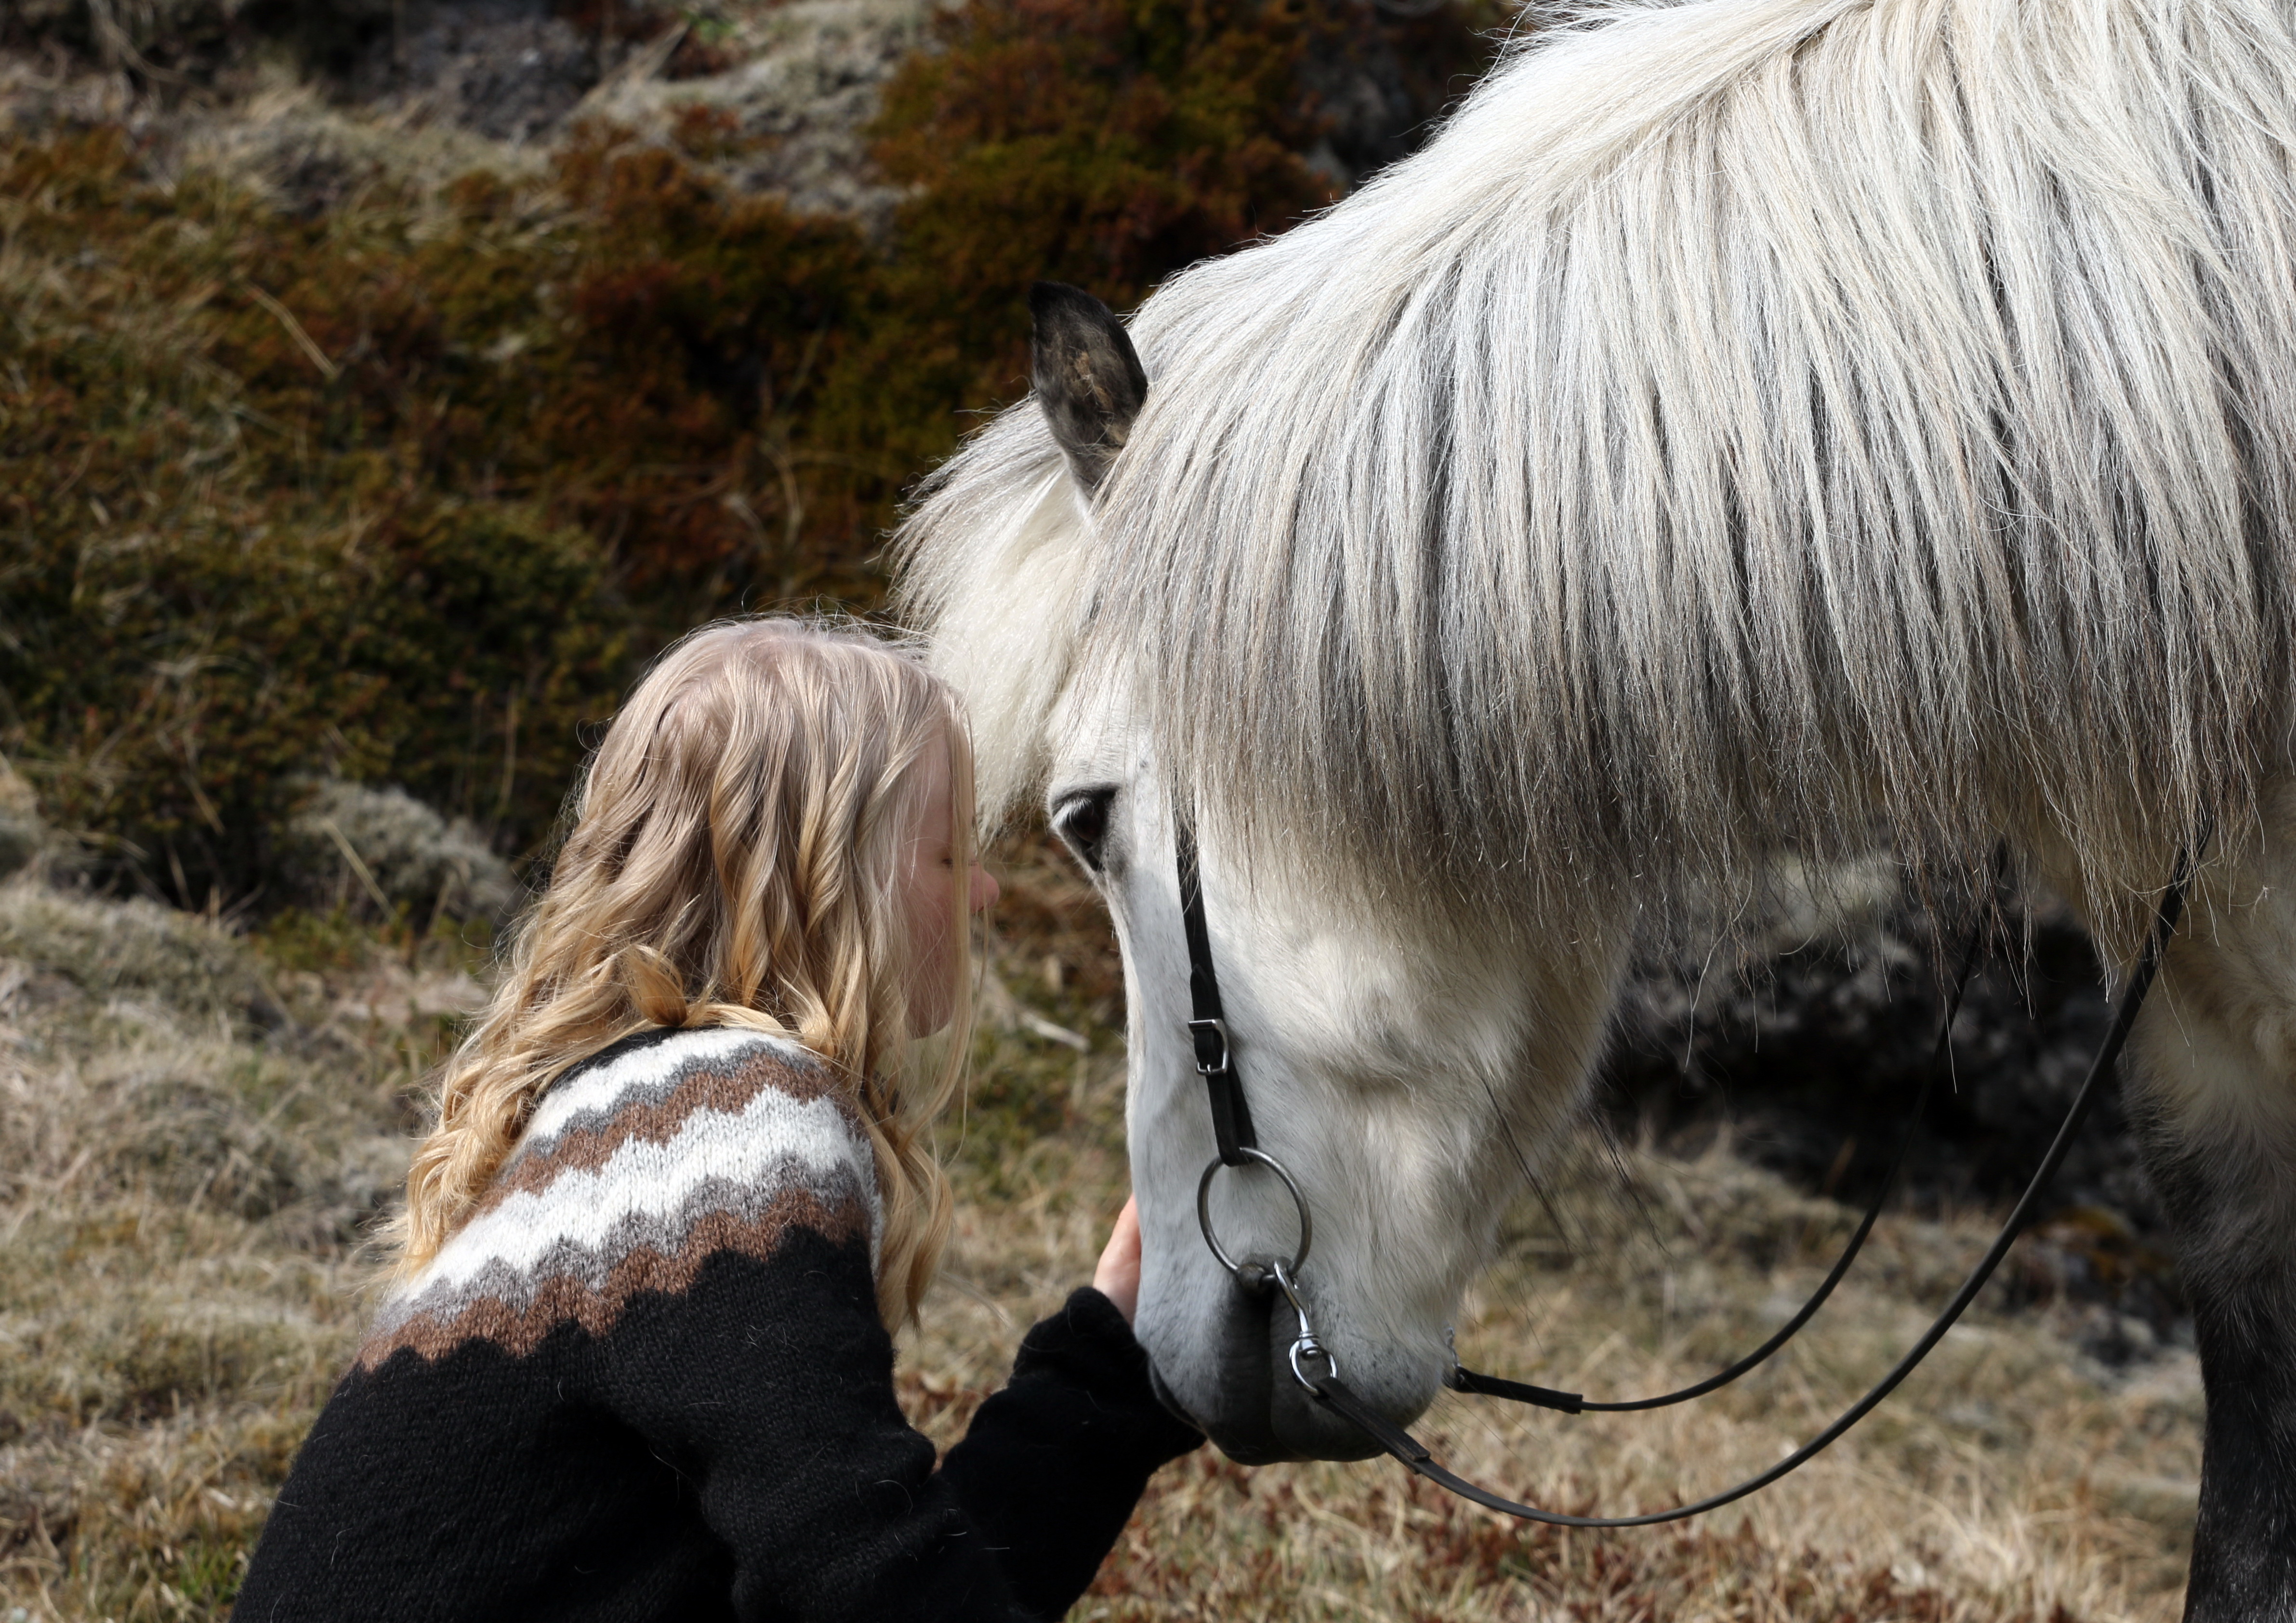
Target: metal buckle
[1216, 1028]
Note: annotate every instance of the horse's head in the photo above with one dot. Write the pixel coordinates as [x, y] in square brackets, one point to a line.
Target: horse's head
[1403, 1062]
[1404, 1077]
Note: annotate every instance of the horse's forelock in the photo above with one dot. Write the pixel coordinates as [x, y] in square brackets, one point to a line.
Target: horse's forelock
[993, 568]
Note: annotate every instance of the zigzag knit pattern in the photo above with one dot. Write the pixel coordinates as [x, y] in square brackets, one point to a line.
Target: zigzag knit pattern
[629, 1175]
[647, 1379]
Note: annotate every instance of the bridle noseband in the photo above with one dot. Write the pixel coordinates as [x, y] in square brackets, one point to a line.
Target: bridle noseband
[1239, 1147]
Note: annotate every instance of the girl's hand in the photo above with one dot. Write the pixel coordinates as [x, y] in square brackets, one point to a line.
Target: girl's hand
[1117, 1276]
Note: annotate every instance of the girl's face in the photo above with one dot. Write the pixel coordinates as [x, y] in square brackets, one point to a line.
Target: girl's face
[928, 898]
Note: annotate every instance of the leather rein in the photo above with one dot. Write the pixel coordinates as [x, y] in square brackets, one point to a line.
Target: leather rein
[1315, 1368]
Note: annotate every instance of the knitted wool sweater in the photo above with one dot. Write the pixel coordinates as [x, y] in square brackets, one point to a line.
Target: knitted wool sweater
[647, 1379]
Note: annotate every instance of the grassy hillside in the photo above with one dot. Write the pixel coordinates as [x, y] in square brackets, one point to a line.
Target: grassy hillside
[196, 1128]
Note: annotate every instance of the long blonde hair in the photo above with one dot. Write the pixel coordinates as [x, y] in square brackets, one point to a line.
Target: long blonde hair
[734, 860]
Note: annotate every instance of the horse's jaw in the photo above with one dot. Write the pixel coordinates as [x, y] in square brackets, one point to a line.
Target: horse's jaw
[1288, 1426]
[1391, 1254]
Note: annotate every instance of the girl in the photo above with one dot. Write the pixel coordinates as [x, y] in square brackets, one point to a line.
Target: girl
[637, 1362]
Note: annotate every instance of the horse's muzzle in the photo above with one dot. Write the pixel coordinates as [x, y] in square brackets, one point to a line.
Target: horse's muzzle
[1257, 1412]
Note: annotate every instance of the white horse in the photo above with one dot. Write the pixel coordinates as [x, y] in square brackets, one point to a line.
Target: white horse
[1751, 427]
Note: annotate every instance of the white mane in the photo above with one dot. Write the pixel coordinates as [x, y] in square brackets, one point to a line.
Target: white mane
[1748, 420]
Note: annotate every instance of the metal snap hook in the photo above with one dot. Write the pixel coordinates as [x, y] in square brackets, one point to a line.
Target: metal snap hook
[1204, 1220]
[1306, 1343]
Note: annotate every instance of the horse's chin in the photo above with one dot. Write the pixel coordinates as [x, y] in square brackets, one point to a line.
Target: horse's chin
[1281, 1430]
[1260, 1415]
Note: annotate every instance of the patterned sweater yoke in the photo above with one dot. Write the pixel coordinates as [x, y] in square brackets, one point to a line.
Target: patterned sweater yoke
[638, 1166]
[648, 1381]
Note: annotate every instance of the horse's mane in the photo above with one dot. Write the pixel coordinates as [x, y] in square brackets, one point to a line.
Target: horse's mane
[1749, 420]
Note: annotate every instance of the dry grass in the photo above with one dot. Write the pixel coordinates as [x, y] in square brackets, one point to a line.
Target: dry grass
[2011, 1479]
[193, 1130]
[191, 1138]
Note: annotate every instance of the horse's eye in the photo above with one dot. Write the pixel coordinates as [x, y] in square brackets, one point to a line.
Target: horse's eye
[1081, 821]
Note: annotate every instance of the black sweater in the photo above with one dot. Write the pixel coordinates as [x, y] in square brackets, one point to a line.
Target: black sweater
[647, 1379]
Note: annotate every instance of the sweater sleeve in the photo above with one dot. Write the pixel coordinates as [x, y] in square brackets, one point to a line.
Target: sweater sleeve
[776, 1395]
[1053, 1464]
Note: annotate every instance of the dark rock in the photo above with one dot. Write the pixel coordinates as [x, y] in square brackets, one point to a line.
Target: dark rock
[20, 841]
[511, 70]
[1379, 79]
[1813, 1060]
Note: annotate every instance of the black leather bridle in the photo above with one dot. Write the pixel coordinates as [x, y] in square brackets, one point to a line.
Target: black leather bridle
[1315, 1369]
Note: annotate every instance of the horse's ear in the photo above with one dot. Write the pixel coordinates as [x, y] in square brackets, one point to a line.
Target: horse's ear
[1089, 378]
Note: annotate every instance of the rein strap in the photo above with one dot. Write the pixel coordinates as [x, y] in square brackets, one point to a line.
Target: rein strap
[1238, 1145]
[1465, 1380]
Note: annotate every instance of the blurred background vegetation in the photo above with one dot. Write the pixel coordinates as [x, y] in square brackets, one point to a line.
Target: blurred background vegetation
[397, 475]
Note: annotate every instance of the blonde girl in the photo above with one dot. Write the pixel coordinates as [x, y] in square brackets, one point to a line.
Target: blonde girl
[636, 1362]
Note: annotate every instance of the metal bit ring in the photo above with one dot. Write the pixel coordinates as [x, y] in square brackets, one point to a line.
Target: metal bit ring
[1299, 1201]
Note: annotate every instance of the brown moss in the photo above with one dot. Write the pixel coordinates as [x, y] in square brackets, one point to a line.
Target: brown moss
[1106, 143]
[286, 497]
